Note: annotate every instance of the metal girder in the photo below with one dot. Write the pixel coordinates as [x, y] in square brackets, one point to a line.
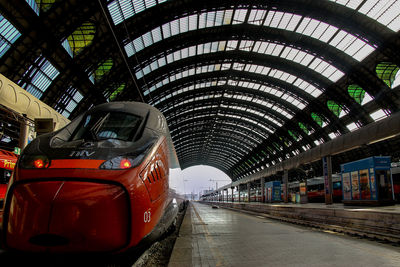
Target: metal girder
[221, 133]
[332, 91]
[200, 138]
[243, 57]
[228, 89]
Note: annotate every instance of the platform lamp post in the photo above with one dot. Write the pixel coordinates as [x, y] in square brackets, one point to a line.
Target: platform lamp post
[184, 190]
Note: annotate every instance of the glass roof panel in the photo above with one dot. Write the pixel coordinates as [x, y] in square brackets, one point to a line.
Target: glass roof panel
[322, 31]
[104, 68]
[303, 127]
[8, 35]
[378, 115]
[387, 71]
[33, 5]
[239, 16]
[68, 102]
[265, 47]
[121, 10]
[317, 118]
[81, 37]
[334, 107]
[386, 12]
[356, 92]
[40, 75]
[45, 5]
[286, 77]
[117, 92]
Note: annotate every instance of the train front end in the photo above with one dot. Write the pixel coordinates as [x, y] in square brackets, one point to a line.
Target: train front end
[79, 189]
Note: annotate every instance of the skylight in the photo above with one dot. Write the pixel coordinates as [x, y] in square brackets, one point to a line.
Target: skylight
[265, 48]
[378, 115]
[40, 75]
[386, 12]
[8, 35]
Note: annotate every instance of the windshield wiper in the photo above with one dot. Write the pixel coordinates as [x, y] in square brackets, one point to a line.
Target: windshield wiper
[96, 127]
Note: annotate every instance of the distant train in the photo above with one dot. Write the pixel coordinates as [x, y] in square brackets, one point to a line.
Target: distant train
[100, 184]
[7, 164]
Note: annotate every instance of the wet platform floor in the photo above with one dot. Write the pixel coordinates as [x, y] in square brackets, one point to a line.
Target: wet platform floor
[221, 237]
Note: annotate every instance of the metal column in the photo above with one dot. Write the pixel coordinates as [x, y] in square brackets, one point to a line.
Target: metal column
[262, 189]
[285, 182]
[248, 192]
[327, 168]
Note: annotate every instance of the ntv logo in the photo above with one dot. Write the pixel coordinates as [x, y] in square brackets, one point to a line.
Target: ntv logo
[81, 153]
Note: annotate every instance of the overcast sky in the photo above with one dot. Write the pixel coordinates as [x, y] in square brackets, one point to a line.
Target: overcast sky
[197, 178]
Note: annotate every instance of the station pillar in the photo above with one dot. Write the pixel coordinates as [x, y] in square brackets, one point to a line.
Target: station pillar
[23, 134]
[262, 189]
[248, 191]
[233, 199]
[239, 192]
[285, 182]
[327, 168]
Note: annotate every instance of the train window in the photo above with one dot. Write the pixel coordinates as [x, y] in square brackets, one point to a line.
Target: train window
[107, 125]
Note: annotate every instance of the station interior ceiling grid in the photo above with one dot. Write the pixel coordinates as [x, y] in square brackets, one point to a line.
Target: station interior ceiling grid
[244, 85]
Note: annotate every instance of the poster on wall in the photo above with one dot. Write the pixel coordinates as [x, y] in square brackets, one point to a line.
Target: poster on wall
[346, 186]
[355, 192]
[277, 193]
[364, 185]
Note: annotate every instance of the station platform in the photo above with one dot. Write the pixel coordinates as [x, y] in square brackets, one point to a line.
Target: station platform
[378, 222]
[211, 236]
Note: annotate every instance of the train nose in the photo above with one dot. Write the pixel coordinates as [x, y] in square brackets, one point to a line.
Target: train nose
[67, 216]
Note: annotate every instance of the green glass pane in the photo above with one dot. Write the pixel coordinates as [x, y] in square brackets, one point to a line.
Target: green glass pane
[262, 151]
[387, 71]
[293, 134]
[334, 107]
[317, 118]
[117, 92]
[81, 37]
[103, 69]
[303, 127]
[356, 92]
[44, 5]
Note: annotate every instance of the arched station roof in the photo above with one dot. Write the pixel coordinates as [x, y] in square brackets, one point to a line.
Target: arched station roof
[243, 84]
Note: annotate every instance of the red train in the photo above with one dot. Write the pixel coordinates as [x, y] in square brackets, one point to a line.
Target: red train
[7, 164]
[100, 184]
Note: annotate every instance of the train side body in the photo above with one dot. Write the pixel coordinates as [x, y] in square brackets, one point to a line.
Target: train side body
[7, 164]
[98, 191]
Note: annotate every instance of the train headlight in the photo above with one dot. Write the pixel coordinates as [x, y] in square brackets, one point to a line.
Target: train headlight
[34, 162]
[125, 164]
[119, 163]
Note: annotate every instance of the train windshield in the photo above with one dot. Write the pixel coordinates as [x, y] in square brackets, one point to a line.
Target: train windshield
[107, 125]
